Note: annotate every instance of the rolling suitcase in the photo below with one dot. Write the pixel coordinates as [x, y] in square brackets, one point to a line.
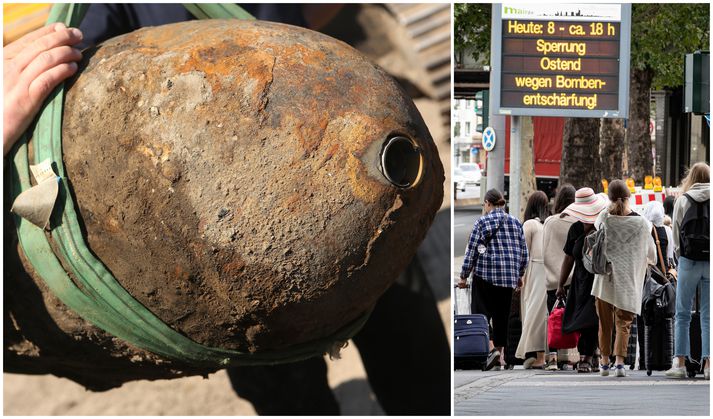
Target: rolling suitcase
[657, 316]
[514, 332]
[472, 341]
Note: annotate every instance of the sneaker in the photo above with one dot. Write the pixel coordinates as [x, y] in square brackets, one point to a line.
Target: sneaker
[676, 372]
[707, 373]
[604, 370]
[551, 366]
[620, 371]
[493, 360]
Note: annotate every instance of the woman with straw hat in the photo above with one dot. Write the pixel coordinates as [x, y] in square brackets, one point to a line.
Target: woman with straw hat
[580, 312]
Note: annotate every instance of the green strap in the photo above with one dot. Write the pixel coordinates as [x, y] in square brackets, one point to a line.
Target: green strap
[91, 290]
[217, 11]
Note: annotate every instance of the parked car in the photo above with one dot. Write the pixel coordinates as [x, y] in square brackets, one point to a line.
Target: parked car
[471, 173]
[458, 179]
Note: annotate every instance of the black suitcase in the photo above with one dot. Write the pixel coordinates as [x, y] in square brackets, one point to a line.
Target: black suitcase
[514, 332]
[472, 341]
[657, 319]
[694, 365]
[658, 343]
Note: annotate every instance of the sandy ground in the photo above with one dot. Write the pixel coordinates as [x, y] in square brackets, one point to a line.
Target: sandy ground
[49, 395]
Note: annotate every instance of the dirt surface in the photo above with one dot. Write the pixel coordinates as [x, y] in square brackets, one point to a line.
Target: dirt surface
[49, 395]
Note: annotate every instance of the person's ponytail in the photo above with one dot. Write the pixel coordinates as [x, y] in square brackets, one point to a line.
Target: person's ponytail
[618, 194]
[617, 207]
[495, 198]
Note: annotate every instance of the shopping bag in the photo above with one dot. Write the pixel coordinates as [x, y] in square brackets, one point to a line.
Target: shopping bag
[555, 337]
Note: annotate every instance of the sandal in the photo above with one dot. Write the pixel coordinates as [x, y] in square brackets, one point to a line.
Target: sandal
[584, 367]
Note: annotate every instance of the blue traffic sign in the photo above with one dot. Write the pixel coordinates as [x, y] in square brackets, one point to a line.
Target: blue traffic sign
[489, 139]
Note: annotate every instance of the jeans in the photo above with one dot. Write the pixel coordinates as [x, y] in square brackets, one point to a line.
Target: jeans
[690, 273]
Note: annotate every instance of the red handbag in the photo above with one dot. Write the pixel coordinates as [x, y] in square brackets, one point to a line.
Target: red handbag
[555, 337]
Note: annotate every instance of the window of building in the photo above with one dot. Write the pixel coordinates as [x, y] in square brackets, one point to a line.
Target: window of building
[467, 128]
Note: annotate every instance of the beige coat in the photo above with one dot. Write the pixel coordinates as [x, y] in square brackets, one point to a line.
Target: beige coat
[533, 297]
[630, 249]
[554, 236]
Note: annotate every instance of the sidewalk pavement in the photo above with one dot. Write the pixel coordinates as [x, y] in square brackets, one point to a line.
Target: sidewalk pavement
[544, 393]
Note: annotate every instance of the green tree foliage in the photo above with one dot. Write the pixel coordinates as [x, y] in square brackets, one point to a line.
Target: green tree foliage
[662, 33]
[472, 29]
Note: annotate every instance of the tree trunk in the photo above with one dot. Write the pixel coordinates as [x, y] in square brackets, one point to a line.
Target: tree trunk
[580, 153]
[527, 164]
[612, 148]
[638, 136]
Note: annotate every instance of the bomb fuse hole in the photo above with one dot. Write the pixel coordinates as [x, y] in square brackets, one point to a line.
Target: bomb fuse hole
[401, 161]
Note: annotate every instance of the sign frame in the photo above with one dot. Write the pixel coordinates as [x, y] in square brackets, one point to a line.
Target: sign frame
[624, 63]
[495, 139]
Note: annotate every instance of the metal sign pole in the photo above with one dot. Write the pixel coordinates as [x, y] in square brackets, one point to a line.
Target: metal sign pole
[496, 158]
[515, 148]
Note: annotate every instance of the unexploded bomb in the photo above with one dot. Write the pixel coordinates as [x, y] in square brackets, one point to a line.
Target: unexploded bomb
[255, 185]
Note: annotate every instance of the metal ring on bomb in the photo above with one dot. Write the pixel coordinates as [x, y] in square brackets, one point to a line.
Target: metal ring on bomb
[401, 161]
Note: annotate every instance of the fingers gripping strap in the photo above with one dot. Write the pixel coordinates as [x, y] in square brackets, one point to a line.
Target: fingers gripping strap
[82, 281]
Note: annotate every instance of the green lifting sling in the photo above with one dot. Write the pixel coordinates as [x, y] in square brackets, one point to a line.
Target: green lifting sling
[94, 293]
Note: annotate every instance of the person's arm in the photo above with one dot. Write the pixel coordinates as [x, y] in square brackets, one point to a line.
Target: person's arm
[651, 246]
[568, 261]
[525, 255]
[567, 264]
[32, 67]
[676, 223]
[470, 250]
[529, 233]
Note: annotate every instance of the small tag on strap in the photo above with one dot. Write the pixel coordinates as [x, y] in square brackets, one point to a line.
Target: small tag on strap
[36, 204]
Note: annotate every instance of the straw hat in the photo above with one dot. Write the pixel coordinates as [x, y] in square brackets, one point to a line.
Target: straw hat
[586, 206]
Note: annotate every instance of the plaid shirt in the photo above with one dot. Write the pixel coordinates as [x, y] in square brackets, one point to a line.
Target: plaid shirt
[505, 259]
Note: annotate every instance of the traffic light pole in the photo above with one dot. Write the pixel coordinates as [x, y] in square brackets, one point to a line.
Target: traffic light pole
[496, 158]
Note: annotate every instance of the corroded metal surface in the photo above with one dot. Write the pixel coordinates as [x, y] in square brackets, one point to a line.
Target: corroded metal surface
[229, 174]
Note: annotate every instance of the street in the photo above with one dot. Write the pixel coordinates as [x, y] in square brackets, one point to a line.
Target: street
[463, 219]
[528, 393]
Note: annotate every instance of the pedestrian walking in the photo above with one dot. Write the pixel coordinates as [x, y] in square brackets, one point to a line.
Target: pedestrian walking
[691, 244]
[554, 236]
[580, 312]
[629, 250]
[533, 294]
[497, 256]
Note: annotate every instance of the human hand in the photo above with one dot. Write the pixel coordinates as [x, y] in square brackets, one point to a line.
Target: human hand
[32, 67]
[560, 292]
[462, 283]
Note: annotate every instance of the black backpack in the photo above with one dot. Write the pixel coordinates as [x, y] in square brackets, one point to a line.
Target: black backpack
[694, 240]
